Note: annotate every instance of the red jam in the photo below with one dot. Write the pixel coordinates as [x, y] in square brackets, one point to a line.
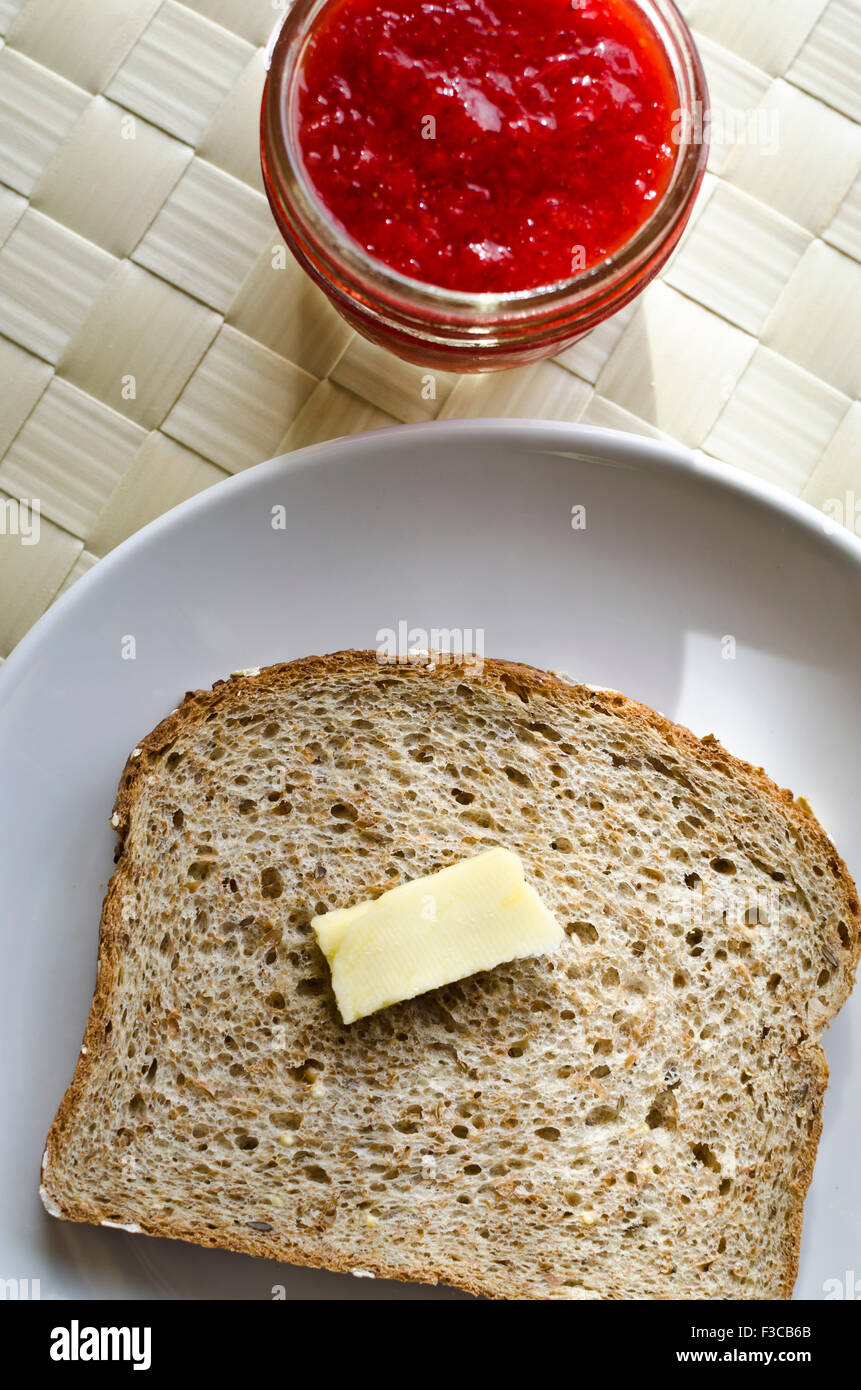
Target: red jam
[487, 145]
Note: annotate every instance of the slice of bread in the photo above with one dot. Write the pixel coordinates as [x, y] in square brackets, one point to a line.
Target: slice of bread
[635, 1116]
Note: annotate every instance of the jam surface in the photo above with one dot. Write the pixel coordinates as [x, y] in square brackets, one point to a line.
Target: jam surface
[486, 145]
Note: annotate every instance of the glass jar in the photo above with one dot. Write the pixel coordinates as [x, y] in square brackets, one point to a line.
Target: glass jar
[449, 329]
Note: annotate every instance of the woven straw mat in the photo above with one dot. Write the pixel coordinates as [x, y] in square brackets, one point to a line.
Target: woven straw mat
[154, 341]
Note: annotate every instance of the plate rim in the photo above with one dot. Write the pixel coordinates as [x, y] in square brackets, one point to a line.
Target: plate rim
[643, 452]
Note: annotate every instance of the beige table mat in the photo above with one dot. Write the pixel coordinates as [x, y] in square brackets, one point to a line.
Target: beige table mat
[156, 336]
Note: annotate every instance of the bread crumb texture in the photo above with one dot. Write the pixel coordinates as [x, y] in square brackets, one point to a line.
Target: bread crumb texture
[635, 1116]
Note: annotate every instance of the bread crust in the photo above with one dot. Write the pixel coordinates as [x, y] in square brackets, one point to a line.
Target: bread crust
[520, 682]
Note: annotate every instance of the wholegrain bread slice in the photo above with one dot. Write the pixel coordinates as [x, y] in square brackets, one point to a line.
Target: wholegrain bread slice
[635, 1116]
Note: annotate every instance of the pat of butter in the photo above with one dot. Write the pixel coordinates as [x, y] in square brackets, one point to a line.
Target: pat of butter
[432, 931]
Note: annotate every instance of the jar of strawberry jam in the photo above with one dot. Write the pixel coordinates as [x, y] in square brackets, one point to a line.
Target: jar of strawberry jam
[477, 183]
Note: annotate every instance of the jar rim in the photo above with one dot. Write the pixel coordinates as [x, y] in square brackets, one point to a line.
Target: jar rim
[341, 258]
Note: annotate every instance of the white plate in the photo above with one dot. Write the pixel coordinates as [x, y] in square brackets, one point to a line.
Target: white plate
[460, 525]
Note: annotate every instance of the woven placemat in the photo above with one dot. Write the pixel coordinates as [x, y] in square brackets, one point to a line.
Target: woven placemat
[157, 337]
